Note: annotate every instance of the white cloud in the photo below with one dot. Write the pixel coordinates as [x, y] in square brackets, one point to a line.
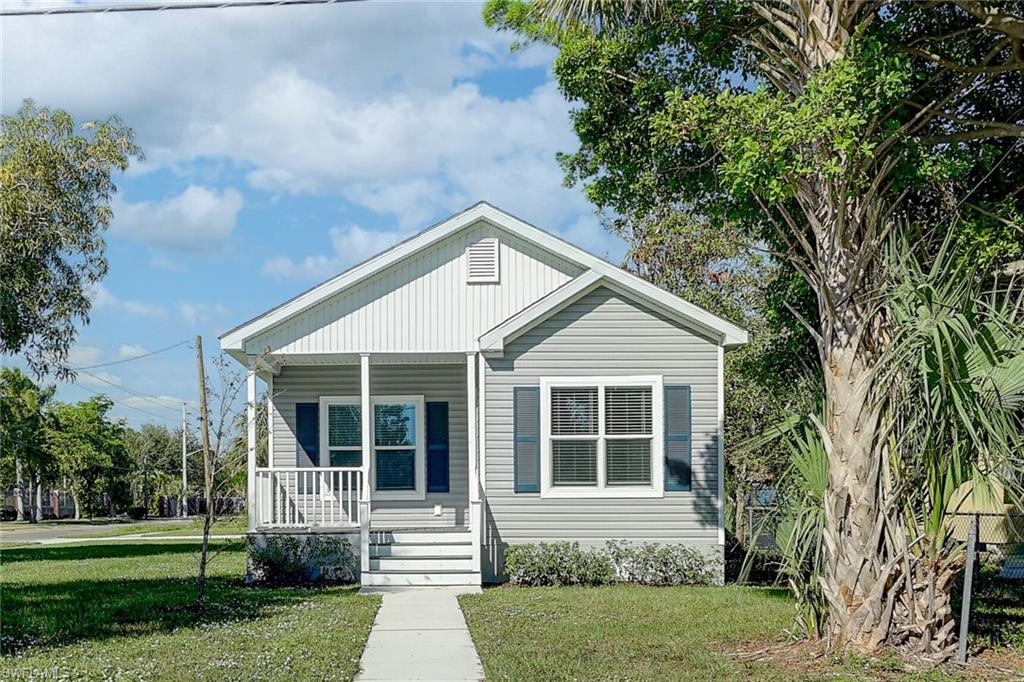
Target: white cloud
[104, 300]
[162, 262]
[371, 102]
[98, 378]
[151, 403]
[350, 245]
[128, 351]
[83, 356]
[201, 313]
[196, 221]
[367, 101]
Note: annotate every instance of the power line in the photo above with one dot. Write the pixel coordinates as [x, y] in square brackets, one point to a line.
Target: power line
[123, 404]
[131, 359]
[156, 400]
[159, 7]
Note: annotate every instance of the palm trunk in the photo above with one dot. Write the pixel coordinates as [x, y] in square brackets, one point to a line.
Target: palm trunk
[19, 491]
[37, 507]
[855, 579]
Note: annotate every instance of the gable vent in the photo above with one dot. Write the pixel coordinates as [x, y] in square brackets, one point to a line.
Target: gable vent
[482, 261]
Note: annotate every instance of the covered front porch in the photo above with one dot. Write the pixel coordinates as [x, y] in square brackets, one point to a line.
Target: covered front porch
[413, 465]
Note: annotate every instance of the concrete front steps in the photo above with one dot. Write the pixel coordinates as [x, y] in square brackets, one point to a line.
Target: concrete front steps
[421, 557]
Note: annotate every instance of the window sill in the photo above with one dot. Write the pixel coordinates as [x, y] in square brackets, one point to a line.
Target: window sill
[601, 493]
[397, 495]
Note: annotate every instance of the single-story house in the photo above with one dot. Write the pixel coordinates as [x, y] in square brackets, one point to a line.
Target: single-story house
[521, 390]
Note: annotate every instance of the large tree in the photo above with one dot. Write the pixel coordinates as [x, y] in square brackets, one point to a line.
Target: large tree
[820, 130]
[55, 191]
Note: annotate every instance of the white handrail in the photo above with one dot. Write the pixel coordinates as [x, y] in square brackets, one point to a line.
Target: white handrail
[308, 469]
[308, 497]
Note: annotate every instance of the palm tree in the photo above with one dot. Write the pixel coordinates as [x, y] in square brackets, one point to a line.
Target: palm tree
[834, 228]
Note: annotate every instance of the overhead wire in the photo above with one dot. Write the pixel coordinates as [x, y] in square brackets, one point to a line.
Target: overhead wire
[186, 342]
[65, 8]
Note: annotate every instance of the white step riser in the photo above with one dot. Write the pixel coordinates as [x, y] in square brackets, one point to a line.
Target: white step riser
[419, 550]
[418, 536]
[419, 579]
[424, 565]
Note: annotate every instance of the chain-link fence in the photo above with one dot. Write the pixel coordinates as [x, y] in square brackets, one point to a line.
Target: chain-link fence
[1000, 536]
[997, 537]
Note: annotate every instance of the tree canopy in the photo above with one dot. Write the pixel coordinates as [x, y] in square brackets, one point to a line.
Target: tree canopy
[55, 190]
[821, 133]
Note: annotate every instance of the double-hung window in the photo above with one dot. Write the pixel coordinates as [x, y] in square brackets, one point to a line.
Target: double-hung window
[341, 437]
[397, 460]
[601, 437]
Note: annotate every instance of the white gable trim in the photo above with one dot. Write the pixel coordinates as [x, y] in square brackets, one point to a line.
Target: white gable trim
[493, 341]
[730, 334]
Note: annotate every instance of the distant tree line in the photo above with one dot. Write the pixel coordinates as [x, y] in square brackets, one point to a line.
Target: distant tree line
[104, 464]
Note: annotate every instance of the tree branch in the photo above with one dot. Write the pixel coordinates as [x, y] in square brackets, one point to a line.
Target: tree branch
[993, 18]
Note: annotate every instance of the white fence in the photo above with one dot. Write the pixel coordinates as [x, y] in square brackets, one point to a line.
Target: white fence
[325, 497]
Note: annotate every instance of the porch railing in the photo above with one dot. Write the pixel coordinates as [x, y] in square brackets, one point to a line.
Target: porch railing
[308, 497]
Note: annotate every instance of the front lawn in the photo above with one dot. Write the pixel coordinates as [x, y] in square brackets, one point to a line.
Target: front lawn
[125, 611]
[689, 633]
[622, 632]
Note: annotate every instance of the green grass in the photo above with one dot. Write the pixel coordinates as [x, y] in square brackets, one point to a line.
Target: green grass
[109, 528]
[997, 612]
[229, 525]
[125, 610]
[671, 633]
[16, 526]
[621, 632]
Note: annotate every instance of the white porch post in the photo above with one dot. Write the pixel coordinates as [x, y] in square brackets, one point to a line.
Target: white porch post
[475, 515]
[364, 496]
[250, 424]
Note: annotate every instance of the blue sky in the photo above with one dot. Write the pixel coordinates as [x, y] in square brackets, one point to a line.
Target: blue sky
[283, 145]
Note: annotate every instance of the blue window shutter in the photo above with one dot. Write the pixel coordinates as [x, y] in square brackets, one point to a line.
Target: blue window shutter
[678, 437]
[437, 447]
[526, 438]
[307, 430]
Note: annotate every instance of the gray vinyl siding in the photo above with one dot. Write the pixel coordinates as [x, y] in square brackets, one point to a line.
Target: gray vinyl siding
[602, 334]
[436, 382]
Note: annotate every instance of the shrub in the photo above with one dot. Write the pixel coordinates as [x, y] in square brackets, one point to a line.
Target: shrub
[654, 564]
[560, 563]
[136, 513]
[566, 563]
[290, 559]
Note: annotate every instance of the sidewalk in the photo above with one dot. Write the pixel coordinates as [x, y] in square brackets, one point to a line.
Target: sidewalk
[420, 634]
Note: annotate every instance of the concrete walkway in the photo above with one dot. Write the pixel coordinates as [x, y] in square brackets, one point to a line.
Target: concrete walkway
[420, 634]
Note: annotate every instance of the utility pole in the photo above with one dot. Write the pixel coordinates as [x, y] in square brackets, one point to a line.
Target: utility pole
[184, 465]
[204, 427]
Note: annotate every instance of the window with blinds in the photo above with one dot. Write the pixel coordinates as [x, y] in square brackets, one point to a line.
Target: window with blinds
[601, 436]
[482, 261]
[344, 436]
[629, 428]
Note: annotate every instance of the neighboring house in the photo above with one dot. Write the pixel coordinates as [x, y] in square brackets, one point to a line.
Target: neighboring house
[522, 390]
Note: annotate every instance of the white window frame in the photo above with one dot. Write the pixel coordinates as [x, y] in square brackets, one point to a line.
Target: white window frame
[419, 492]
[325, 402]
[657, 486]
